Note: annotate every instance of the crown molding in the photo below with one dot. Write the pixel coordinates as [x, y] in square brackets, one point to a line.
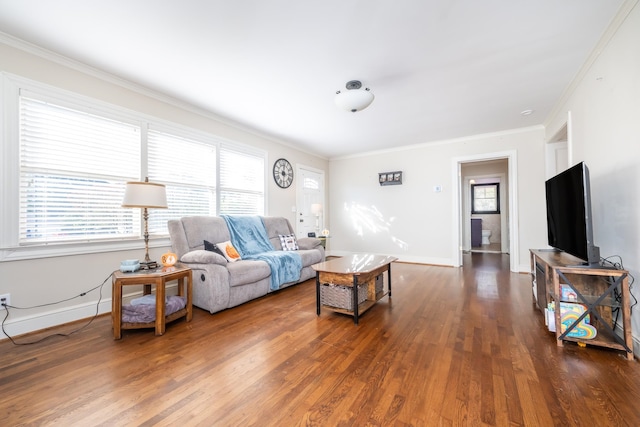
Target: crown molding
[608, 34]
[445, 142]
[97, 73]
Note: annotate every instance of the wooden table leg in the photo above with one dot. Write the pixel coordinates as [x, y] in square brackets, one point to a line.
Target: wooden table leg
[116, 308]
[189, 297]
[557, 313]
[160, 302]
[389, 277]
[626, 316]
[318, 293]
[355, 299]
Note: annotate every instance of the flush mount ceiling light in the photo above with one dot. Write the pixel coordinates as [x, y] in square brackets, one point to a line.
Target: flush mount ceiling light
[354, 98]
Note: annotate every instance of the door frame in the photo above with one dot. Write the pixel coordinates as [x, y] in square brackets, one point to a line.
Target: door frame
[456, 171]
[466, 214]
[300, 199]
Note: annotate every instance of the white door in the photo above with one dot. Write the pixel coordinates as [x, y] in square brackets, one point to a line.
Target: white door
[309, 201]
[557, 158]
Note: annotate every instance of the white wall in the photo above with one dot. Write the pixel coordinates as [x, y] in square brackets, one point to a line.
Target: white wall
[413, 222]
[605, 118]
[41, 281]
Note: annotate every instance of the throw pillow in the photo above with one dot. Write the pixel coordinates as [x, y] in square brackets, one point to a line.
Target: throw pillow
[288, 242]
[230, 253]
[208, 246]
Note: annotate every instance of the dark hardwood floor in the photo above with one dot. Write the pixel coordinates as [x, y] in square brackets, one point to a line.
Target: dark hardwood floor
[453, 347]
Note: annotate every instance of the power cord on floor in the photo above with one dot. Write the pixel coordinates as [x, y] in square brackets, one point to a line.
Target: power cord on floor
[607, 262]
[7, 307]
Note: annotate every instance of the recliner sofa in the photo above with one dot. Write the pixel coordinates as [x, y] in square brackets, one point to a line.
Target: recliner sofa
[219, 284]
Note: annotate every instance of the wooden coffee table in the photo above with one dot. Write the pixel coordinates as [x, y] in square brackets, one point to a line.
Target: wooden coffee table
[351, 271]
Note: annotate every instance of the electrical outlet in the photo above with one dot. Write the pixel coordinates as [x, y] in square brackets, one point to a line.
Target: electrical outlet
[5, 299]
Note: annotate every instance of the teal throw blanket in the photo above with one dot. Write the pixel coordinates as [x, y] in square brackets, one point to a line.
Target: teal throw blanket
[249, 237]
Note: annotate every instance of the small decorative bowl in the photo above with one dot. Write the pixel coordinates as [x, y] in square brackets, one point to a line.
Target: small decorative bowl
[129, 265]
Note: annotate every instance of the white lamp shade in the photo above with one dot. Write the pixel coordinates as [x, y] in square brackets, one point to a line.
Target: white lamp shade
[316, 208]
[354, 100]
[144, 195]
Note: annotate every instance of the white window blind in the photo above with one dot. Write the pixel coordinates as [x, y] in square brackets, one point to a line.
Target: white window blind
[70, 157]
[73, 167]
[188, 168]
[241, 182]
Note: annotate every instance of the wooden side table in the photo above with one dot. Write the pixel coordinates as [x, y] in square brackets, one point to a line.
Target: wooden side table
[158, 277]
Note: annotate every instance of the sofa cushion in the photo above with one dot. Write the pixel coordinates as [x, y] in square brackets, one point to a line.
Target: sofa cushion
[310, 256]
[197, 229]
[309, 243]
[201, 256]
[247, 271]
[208, 246]
[276, 226]
[229, 252]
[288, 242]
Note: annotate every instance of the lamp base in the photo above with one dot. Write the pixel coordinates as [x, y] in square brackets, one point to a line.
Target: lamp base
[148, 265]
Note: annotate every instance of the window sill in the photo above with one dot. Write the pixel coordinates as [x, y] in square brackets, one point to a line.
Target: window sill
[68, 249]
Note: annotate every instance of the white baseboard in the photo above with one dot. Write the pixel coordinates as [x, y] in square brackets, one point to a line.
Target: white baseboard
[15, 326]
[403, 258]
[31, 323]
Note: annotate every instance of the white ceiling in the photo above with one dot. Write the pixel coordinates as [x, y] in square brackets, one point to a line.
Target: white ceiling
[439, 69]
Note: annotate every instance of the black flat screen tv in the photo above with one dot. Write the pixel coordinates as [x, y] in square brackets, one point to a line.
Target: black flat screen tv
[569, 221]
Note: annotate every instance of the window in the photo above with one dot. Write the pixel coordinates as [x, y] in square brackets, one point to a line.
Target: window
[66, 160]
[241, 182]
[187, 166]
[485, 198]
[73, 166]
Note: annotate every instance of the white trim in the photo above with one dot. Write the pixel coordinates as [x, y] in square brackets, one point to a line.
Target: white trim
[444, 142]
[139, 89]
[446, 262]
[67, 249]
[569, 140]
[10, 87]
[456, 183]
[36, 322]
[466, 216]
[609, 33]
[56, 317]
[300, 197]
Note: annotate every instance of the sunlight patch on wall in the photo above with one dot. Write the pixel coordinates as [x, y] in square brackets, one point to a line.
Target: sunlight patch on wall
[370, 220]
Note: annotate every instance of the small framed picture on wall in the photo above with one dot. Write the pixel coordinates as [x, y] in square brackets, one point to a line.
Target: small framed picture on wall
[390, 178]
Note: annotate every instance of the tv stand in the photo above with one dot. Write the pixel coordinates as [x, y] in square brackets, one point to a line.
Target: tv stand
[595, 287]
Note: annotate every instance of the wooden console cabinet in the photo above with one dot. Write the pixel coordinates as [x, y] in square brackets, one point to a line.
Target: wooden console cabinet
[602, 290]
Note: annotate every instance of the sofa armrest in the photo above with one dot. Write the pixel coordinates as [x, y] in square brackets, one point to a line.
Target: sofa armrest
[309, 242]
[203, 257]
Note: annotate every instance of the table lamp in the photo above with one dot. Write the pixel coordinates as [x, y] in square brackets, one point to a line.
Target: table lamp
[145, 195]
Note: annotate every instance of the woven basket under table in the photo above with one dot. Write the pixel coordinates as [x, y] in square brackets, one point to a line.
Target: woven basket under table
[340, 296]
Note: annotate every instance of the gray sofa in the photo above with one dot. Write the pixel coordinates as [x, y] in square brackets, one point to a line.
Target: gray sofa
[218, 284]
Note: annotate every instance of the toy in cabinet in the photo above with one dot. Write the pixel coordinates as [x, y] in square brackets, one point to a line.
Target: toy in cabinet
[602, 291]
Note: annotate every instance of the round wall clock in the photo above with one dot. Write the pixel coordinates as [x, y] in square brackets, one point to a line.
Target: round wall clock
[283, 173]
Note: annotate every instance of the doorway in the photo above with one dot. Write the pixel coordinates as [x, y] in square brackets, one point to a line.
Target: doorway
[511, 208]
[492, 223]
[310, 201]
